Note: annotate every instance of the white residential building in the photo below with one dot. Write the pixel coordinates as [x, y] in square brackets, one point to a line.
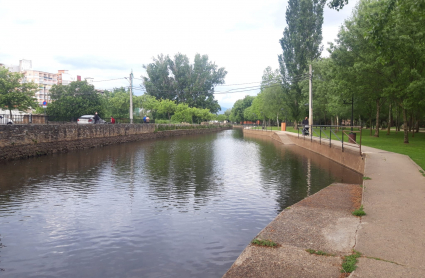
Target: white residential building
[45, 80]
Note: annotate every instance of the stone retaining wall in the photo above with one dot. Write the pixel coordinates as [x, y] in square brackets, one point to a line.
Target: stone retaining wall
[349, 157]
[23, 141]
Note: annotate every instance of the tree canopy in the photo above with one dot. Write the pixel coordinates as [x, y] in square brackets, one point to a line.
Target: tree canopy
[178, 80]
[74, 100]
[15, 94]
[301, 45]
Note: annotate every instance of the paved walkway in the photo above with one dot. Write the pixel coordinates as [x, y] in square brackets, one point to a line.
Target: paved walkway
[391, 236]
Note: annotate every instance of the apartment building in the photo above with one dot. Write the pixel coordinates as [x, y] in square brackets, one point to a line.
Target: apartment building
[44, 80]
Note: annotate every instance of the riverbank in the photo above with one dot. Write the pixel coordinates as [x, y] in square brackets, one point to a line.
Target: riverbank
[24, 141]
[390, 236]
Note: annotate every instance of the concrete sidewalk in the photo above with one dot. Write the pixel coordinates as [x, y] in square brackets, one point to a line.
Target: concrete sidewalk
[391, 237]
[394, 226]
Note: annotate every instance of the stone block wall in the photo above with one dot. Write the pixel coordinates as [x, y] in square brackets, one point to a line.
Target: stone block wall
[22, 141]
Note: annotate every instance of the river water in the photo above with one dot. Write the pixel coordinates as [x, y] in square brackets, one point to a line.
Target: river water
[179, 207]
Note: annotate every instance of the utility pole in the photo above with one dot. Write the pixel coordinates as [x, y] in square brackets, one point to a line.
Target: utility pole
[131, 97]
[310, 100]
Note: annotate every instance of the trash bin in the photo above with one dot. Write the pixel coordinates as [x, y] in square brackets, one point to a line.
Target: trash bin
[352, 137]
[283, 127]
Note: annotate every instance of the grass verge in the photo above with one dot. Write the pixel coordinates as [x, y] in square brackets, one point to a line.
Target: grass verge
[392, 143]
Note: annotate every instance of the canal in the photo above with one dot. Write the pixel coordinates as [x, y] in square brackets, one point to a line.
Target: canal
[179, 207]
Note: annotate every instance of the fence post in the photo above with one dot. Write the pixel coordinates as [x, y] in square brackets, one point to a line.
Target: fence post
[342, 129]
[330, 136]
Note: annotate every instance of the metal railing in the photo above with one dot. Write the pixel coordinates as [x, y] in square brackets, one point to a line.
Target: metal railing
[260, 127]
[333, 130]
[16, 119]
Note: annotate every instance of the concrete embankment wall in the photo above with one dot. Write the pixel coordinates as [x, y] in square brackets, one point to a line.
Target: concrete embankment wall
[22, 141]
[350, 158]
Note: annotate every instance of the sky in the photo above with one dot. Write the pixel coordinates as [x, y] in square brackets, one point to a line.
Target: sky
[107, 39]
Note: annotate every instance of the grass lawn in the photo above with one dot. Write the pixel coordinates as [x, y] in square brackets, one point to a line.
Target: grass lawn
[393, 142]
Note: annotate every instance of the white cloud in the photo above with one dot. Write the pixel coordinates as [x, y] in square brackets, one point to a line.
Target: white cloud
[106, 39]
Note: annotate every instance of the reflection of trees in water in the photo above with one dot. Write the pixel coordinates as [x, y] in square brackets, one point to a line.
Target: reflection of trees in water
[182, 168]
[295, 173]
[76, 172]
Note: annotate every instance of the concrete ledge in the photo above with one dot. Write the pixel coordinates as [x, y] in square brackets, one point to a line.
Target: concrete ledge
[285, 261]
[322, 222]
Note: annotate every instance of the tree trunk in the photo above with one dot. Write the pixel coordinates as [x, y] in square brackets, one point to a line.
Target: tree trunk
[337, 123]
[370, 125]
[277, 119]
[406, 130]
[295, 124]
[377, 118]
[410, 122]
[10, 113]
[397, 117]
[418, 116]
[389, 121]
[413, 128]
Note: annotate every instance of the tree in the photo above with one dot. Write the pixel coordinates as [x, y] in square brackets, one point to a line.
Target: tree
[237, 114]
[397, 29]
[183, 113]
[74, 100]
[273, 94]
[117, 103]
[301, 44]
[15, 94]
[167, 106]
[178, 80]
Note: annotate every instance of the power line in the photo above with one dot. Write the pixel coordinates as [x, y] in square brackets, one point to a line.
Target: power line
[108, 79]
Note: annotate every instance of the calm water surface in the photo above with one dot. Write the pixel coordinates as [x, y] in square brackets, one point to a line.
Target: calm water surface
[181, 207]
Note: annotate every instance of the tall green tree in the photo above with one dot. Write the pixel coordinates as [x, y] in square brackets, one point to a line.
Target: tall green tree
[15, 94]
[301, 44]
[397, 30]
[74, 100]
[178, 80]
[273, 94]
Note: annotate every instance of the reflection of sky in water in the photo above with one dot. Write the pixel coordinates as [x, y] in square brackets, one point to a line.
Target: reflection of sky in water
[182, 207]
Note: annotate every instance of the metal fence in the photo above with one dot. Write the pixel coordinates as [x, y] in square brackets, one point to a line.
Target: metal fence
[338, 132]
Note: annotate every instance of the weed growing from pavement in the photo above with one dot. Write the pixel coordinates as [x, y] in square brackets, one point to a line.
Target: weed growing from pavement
[264, 242]
[318, 252]
[349, 262]
[359, 211]
[366, 178]
[422, 172]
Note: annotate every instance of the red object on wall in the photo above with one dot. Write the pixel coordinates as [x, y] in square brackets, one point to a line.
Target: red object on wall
[78, 78]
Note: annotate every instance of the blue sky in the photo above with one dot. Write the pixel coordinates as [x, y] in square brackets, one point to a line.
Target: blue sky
[106, 39]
